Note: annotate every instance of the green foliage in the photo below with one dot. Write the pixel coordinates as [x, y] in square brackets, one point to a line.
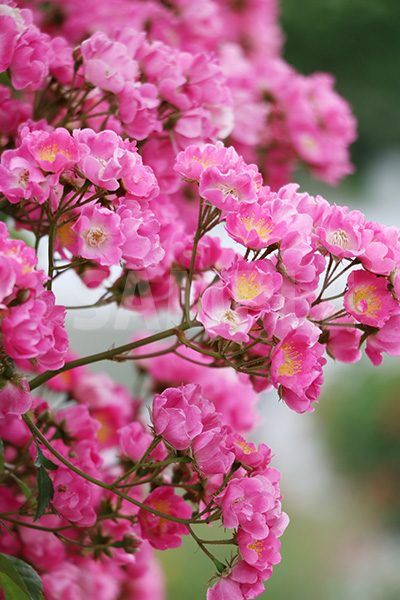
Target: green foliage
[363, 426]
[359, 43]
[18, 580]
[45, 492]
[44, 483]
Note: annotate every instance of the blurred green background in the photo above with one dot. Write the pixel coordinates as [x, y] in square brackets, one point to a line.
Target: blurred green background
[359, 42]
[341, 465]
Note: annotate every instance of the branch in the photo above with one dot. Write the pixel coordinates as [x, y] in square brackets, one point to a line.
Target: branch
[109, 354]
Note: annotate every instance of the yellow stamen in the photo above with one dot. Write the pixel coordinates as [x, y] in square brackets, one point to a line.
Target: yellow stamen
[247, 287]
[365, 300]
[95, 237]
[263, 227]
[247, 449]
[339, 238]
[257, 546]
[49, 153]
[293, 362]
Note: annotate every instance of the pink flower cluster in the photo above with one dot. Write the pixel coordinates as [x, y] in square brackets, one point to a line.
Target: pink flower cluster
[179, 76]
[25, 50]
[40, 170]
[232, 394]
[295, 244]
[31, 324]
[293, 118]
[112, 157]
[192, 448]
[250, 502]
[104, 416]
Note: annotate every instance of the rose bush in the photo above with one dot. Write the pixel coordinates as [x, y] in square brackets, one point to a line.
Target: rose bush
[137, 133]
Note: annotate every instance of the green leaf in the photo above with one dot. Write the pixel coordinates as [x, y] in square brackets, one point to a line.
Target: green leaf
[1, 455]
[11, 590]
[18, 580]
[42, 461]
[45, 492]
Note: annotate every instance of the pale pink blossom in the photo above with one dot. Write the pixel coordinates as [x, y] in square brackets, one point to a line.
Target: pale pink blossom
[260, 554]
[134, 440]
[100, 157]
[54, 151]
[386, 340]
[382, 255]
[344, 233]
[107, 63]
[99, 235]
[254, 284]
[35, 331]
[296, 366]
[195, 159]
[21, 178]
[29, 65]
[220, 319]
[260, 224]
[227, 190]
[141, 248]
[212, 453]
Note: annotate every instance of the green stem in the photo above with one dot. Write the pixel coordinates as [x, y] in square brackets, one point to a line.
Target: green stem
[32, 526]
[139, 464]
[108, 354]
[320, 300]
[220, 542]
[109, 487]
[219, 565]
[52, 235]
[189, 280]
[351, 264]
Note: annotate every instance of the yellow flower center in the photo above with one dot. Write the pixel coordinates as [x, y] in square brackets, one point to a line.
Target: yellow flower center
[292, 363]
[203, 161]
[95, 237]
[366, 302]
[238, 500]
[339, 238]
[49, 152]
[247, 286]
[257, 546]
[230, 316]
[65, 234]
[228, 190]
[105, 431]
[263, 227]
[24, 178]
[247, 449]
[163, 506]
